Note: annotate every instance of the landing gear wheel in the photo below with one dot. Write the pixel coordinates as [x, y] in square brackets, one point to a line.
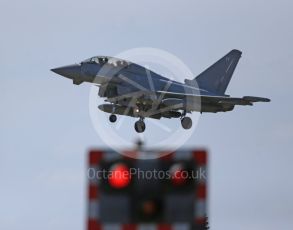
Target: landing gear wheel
[186, 122]
[139, 126]
[112, 118]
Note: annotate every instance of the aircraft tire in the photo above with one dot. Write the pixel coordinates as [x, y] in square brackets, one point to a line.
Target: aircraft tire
[186, 122]
[113, 118]
[139, 126]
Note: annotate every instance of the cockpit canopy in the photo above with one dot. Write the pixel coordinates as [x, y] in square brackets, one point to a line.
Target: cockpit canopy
[107, 60]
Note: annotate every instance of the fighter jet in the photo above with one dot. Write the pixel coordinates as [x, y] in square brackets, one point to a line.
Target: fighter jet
[133, 90]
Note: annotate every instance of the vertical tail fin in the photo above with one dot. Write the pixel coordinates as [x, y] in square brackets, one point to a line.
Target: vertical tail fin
[217, 77]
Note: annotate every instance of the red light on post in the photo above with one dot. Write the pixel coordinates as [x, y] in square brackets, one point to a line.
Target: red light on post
[179, 176]
[149, 207]
[119, 176]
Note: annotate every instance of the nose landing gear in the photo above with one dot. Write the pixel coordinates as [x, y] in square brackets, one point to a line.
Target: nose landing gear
[186, 122]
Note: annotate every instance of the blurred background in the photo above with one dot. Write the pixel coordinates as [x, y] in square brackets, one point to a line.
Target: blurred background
[46, 129]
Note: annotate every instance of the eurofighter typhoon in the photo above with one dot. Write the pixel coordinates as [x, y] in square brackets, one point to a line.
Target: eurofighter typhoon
[132, 90]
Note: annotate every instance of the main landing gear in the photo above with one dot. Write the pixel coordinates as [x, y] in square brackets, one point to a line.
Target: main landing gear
[186, 122]
[139, 126]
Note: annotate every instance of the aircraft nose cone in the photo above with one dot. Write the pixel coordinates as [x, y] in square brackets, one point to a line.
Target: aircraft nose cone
[69, 71]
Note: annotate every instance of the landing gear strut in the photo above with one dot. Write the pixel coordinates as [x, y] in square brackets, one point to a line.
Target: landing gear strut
[139, 126]
[186, 122]
[113, 118]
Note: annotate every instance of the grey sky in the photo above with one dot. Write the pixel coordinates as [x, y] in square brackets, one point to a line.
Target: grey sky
[46, 129]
